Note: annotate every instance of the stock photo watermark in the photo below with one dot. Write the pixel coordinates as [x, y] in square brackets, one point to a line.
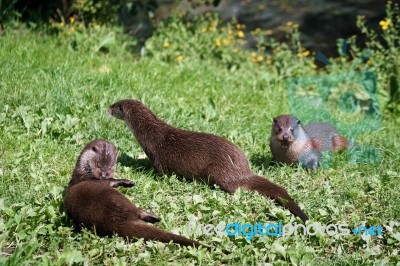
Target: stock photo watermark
[279, 229]
[349, 100]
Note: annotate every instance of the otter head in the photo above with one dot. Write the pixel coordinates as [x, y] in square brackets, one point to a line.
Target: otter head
[98, 159]
[117, 110]
[285, 129]
[122, 108]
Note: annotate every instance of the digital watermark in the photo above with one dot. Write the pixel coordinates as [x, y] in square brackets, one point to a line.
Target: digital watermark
[348, 100]
[249, 231]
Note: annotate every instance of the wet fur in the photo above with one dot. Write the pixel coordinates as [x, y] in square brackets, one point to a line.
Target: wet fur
[196, 155]
[92, 202]
[290, 142]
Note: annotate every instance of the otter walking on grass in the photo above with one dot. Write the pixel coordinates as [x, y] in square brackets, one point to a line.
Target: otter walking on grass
[196, 155]
[290, 142]
[92, 202]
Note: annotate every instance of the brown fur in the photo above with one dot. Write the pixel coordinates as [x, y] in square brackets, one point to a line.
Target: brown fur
[97, 161]
[290, 142]
[196, 155]
[91, 201]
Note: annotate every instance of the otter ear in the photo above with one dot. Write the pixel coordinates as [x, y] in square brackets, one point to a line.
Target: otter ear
[298, 122]
[274, 120]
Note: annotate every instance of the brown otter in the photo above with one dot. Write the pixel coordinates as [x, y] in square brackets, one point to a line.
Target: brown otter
[290, 142]
[92, 201]
[196, 155]
[97, 161]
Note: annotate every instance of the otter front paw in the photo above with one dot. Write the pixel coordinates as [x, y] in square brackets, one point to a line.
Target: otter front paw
[121, 183]
[310, 159]
[149, 217]
[311, 164]
[126, 183]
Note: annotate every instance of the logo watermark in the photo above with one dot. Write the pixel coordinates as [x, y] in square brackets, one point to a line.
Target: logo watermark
[347, 99]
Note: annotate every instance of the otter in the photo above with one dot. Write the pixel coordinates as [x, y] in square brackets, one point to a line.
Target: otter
[97, 161]
[92, 201]
[196, 155]
[292, 143]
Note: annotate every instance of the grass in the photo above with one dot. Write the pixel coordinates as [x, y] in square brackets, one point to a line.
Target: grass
[55, 99]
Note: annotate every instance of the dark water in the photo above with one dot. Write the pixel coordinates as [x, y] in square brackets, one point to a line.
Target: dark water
[321, 22]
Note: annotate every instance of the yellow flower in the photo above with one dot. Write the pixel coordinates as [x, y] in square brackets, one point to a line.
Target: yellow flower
[226, 41]
[292, 25]
[203, 30]
[212, 28]
[230, 32]
[305, 53]
[260, 58]
[71, 20]
[240, 34]
[253, 54]
[385, 23]
[62, 24]
[179, 58]
[166, 44]
[217, 42]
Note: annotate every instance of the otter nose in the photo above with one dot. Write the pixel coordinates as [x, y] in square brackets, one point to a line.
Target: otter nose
[103, 174]
[285, 136]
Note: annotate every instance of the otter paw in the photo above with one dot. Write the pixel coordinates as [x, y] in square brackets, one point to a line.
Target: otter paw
[150, 218]
[126, 183]
[312, 164]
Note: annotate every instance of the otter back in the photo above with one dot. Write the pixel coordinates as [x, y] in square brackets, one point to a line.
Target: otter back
[195, 155]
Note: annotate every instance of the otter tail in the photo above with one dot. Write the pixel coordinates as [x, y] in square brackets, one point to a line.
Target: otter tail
[139, 229]
[275, 192]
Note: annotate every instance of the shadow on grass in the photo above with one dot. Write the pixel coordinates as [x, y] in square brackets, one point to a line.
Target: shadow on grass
[260, 160]
[141, 165]
[145, 166]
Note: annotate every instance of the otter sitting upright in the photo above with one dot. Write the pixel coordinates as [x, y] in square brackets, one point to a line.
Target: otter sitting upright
[91, 200]
[290, 142]
[196, 155]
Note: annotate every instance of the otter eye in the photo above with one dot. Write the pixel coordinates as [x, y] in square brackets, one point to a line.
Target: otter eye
[291, 129]
[298, 122]
[95, 149]
[279, 129]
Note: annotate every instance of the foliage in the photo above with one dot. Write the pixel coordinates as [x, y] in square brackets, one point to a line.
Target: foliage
[104, 11]
[6, 8]
[385, 54]
[87, 11]
[207, 38]
[92, 38]
[56, 88]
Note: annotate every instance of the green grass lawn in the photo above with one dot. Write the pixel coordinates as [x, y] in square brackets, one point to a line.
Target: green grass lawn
[55, 99]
